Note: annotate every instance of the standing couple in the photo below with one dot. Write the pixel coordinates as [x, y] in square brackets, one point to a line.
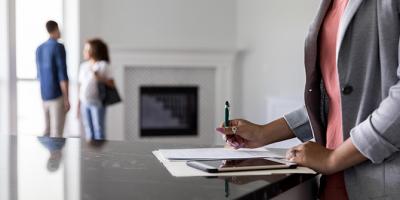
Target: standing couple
[53, 77]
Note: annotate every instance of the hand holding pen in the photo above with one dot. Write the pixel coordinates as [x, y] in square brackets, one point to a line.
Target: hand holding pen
[240, 133]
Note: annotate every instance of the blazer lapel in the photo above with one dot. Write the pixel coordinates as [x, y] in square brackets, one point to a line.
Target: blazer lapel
[348, 15]
[311, 47]
[312, 77]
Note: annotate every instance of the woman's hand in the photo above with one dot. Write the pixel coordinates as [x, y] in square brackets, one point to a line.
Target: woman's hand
[251, 135]
[247, 134]
[314, 156]
[99, 77]
[108, 82]
[323, 160]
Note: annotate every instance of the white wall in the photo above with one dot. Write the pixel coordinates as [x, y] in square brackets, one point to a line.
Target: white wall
[89, 20]
[155, 24]
[270, 35]
[144, 25]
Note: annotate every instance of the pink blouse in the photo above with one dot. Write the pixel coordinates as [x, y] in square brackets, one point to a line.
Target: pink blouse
[334, 185]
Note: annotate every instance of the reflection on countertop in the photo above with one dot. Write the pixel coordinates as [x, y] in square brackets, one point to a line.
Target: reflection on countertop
[54, 145]
[71, 169]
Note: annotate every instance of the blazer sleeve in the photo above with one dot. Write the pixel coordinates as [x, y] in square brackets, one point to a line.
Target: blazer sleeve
[299, 123]
[378, 137]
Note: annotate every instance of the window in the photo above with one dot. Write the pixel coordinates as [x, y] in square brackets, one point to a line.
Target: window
[31, 17]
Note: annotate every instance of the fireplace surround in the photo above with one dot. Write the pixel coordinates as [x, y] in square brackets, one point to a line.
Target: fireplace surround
[209, 70]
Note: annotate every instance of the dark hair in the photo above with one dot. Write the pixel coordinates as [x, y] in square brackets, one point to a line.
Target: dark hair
[51, 26]
[98, 50]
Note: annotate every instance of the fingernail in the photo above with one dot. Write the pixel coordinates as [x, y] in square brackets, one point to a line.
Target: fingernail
[221, 130]
[233, 144]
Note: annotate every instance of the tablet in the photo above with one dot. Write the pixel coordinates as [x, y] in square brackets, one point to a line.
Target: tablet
[215, 166]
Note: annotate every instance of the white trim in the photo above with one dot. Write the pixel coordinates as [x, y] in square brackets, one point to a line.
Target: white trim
[7, 95]
[8, 86]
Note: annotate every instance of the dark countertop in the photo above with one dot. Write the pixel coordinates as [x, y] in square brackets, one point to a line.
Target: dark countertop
[122, 170]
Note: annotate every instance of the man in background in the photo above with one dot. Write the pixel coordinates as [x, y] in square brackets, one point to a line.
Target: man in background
[53, 77]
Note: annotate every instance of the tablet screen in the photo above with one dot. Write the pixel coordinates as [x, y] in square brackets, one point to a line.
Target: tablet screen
[214, 166]
[239, 163]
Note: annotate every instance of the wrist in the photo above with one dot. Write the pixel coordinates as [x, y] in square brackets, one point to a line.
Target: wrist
[332, 163]
[101, 79]
[263, 131]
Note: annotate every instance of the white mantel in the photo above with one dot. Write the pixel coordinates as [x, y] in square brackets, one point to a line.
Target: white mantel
[221, 60]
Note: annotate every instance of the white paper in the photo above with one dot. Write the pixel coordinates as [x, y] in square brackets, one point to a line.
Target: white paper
[180, 169]
[220, 153]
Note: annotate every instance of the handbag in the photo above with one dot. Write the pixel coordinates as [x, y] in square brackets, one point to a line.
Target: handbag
[108, 95]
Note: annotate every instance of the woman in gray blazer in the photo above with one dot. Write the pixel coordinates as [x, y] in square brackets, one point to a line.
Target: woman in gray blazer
[367, 57]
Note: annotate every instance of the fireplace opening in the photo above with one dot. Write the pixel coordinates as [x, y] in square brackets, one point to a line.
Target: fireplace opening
[168, 111]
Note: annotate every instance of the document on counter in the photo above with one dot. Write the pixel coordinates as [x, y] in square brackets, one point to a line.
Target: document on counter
[179, 168]
[221, 153]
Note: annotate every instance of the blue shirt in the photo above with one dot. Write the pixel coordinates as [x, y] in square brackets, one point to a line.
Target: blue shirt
[51, 68]
[52, 144]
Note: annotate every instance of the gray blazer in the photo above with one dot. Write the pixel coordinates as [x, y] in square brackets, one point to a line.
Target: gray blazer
[369, 75]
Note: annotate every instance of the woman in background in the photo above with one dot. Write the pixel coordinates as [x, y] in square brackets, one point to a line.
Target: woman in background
[95, 69]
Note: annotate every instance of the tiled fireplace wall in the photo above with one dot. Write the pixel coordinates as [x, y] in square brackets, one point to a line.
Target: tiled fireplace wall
[203, 78]
[210, 70]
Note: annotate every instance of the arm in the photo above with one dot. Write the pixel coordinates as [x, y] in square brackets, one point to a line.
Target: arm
[60, 58]
[37, 64]
[293, 124]
[323, 160]
[104, 75]
[249, 135]
[345, 156]
[64, 89]
[378, 137]
[78, 113]
[299, 123]
[105, 80]
[277, 131]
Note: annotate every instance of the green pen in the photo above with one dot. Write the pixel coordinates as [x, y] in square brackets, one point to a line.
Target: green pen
[226, 124]
[226, 188]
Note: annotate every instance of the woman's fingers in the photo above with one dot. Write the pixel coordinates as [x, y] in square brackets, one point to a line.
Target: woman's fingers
[233, 144]
[296, 154]
[235, 141]
[232, 130]
[234, 134]
[233, 122]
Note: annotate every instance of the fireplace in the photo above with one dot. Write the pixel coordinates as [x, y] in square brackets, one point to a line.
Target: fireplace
[210, 71]
[168, 111]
